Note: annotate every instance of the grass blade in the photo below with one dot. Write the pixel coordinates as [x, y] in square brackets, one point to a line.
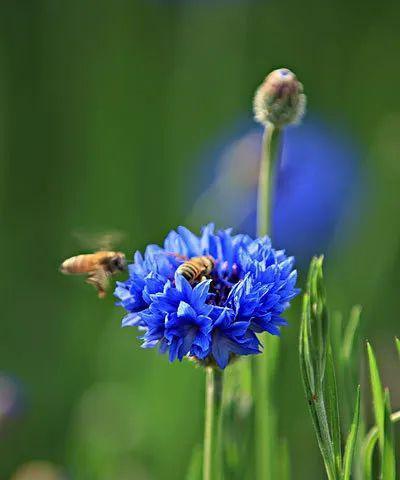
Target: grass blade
[284, 461]
[350, 363]
[318, 326]
[397, 340]
[306, 361]
[195, 466]
[377, 397]
[389, 459]
[332, 408]
[350, 331]
[369, 445]
[351, 440]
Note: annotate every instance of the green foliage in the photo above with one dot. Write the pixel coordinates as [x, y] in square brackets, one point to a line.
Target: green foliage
[237, 415]
[351, 440]
[319, 377]
[389, 460]
[349, 336]
[383, 431]
[377, 397]
[397, 345]
[312, 350]
[284, 461]
[332, 407]
[369, 445]
[196, 464]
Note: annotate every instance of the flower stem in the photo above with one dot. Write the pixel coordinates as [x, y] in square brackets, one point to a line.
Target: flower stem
[264, 366]
[265, 178]
[212, 454]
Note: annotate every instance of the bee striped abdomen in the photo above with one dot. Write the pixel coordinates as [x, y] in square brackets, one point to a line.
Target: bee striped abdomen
[77, 264]
[195, 268]
[188, 270]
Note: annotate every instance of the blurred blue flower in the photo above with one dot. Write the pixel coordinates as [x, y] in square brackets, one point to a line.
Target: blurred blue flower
[12, 398]
[213, 319]
[318, 187]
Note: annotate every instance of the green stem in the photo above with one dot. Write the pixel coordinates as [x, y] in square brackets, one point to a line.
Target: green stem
[264, 365]
[326, 444]
[212, 454]
[264, 202]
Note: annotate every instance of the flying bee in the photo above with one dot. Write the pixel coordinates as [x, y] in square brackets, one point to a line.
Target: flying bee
[196, 268]
[98, 266]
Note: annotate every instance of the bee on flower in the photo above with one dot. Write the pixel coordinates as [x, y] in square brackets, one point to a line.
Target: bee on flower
[243, 291]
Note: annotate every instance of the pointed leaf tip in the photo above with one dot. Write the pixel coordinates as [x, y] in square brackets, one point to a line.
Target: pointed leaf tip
[351, 439]
[377, 395]
[397, 340]
[389, 455]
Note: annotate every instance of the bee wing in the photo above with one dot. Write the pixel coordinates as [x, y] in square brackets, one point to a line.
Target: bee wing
[99, 278]
[183, 258]
[100, 240]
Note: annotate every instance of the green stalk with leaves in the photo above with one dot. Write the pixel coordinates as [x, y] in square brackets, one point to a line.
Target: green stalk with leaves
[319, 379]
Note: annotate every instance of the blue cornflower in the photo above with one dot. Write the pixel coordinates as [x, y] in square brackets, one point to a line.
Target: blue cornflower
[213, 319]
[318, 186]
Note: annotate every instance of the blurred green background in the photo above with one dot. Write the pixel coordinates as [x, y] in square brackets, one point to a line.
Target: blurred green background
[104, 108]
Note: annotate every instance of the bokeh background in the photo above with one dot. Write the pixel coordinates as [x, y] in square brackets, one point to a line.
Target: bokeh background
[136, 116]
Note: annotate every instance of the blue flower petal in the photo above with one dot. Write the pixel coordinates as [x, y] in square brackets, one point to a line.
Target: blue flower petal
[247, 293]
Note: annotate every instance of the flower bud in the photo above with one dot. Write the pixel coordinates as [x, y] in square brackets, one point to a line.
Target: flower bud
[279, 99]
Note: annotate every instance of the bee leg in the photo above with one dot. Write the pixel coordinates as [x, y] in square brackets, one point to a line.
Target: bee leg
[98, 279]
[203, 278]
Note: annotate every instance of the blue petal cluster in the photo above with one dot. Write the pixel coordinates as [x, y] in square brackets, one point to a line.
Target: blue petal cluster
[216, 318]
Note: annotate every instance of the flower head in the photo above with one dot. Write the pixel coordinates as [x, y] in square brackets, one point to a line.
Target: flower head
[279, 99]
[211, 319]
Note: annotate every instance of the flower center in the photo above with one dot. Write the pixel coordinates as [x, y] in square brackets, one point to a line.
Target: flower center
[221, 285]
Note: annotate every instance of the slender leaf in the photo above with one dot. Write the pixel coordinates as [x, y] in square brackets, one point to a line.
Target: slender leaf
[318, 326]
[336, 336]
[350, 331]
[195, 466]
[332, 408]
[369, 445]
[351, 440]
[358, 459]
[377, 396]
[306, 361]
[397, 340]
[284, 461]
[350, 364]
[389, 459]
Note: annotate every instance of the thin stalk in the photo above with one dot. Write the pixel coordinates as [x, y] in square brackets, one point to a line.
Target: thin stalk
[212, 456]
[264, 365]
[264, 202]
